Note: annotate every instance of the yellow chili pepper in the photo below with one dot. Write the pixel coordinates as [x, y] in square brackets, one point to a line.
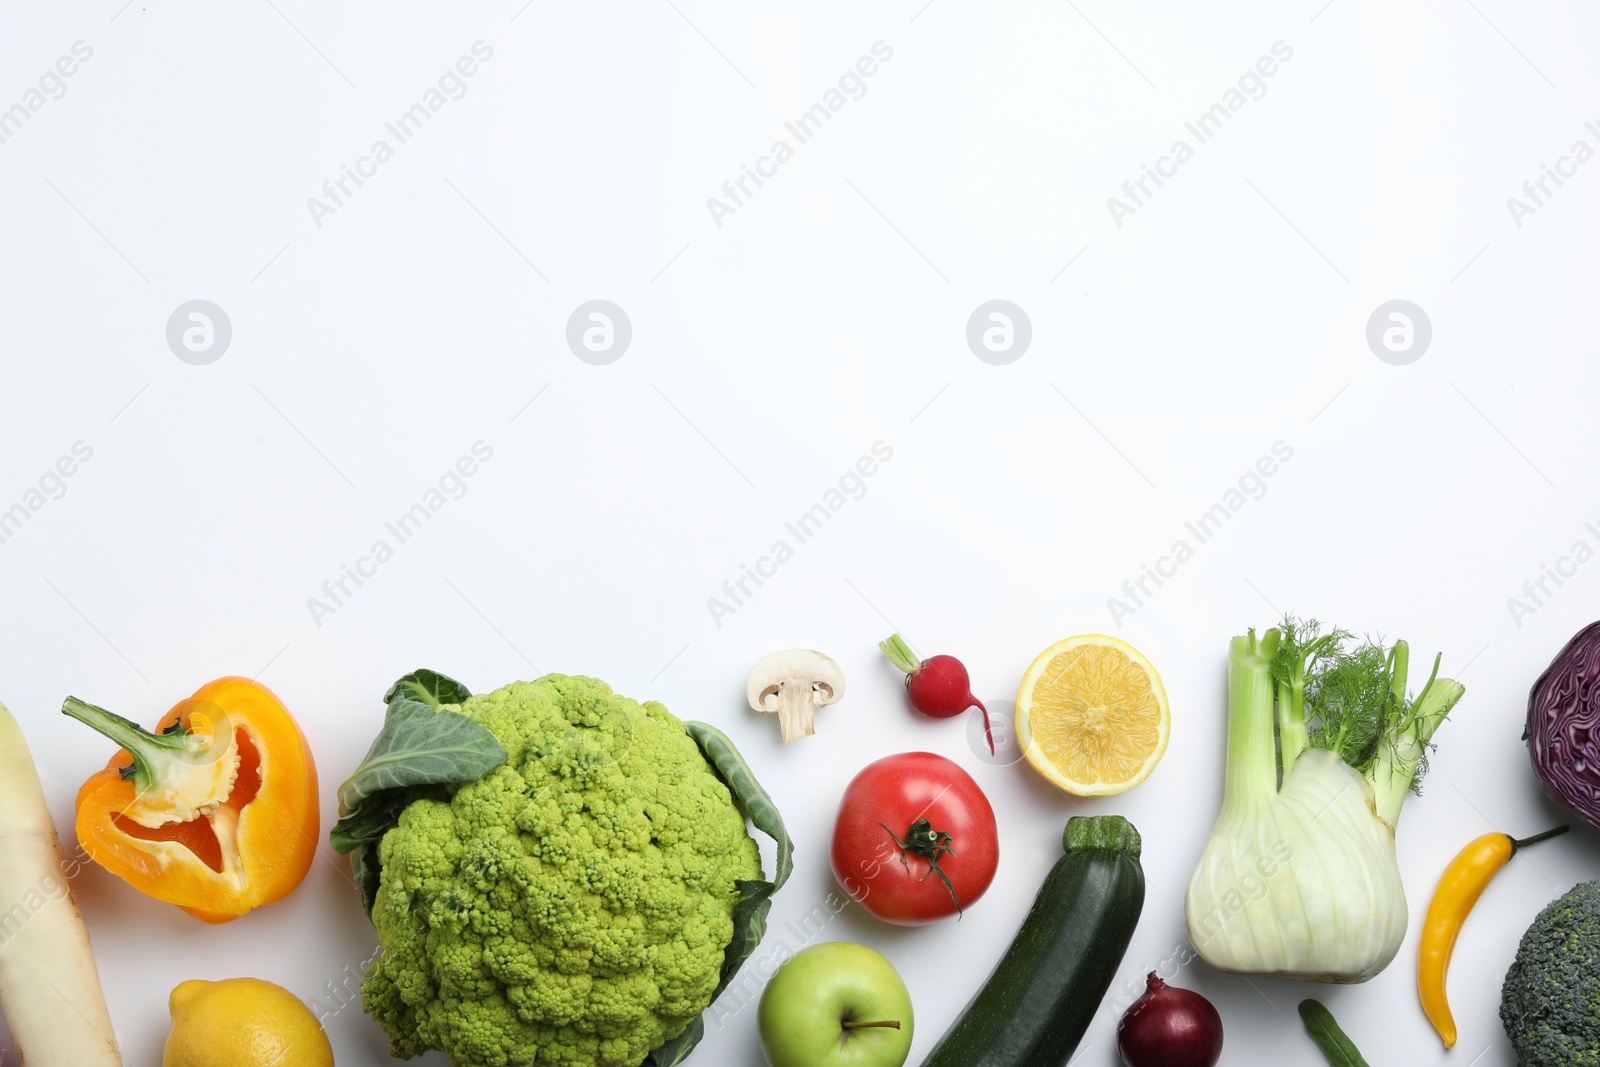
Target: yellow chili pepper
[1462, 883]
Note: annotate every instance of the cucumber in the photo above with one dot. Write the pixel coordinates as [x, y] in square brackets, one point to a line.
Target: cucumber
[1045, 990]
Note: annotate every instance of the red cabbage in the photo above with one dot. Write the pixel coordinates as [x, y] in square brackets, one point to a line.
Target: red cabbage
[1563, 732]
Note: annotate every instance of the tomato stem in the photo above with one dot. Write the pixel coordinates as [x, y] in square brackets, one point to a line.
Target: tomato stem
[924, 842]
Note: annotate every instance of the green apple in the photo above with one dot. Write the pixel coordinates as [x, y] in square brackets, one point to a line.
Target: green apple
[836, 1005]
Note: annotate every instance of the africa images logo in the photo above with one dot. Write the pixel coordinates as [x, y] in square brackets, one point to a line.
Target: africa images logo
[735, 191]
[450, 85]
[51, 85]
[1251, 85]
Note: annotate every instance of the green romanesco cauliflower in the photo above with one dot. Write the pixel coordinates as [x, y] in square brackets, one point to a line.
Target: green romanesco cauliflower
[569, 909]
[1550, 1003]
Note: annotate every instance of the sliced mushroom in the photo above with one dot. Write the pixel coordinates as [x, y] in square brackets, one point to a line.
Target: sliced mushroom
[794, 684]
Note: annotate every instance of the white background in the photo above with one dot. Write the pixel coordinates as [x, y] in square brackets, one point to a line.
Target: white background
[771, 352]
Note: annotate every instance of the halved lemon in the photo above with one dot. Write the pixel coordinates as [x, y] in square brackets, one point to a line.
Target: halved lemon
[1092, 715]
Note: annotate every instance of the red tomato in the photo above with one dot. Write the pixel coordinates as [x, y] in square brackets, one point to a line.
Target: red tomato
[903, 822]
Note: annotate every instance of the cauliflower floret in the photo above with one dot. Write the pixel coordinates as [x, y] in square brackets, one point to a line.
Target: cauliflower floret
[572, 907]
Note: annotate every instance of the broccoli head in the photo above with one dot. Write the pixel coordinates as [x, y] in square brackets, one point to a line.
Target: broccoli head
[1550, 1004]
[570, 908]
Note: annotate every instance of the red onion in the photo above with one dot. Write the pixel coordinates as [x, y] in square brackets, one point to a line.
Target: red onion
[1563, 732]
[1169, 1027]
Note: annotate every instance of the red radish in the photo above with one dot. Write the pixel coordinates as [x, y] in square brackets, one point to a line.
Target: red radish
[937, 686]
[1169, 1027]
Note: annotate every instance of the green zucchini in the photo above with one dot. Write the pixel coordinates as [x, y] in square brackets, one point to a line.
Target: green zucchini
[1045, 990]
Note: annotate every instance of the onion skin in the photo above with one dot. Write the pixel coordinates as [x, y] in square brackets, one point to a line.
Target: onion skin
[1169, 1027]
[1563, 731]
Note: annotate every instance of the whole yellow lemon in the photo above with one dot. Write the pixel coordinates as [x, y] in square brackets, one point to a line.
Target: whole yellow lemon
[243, 1022]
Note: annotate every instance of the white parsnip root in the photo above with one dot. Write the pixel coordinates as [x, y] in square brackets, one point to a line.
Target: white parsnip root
[49, 987]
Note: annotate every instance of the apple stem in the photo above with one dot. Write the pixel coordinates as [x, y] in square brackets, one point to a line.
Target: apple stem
[854, 1025]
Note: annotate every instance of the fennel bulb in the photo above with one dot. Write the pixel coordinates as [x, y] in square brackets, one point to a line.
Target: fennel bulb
[1299, 878]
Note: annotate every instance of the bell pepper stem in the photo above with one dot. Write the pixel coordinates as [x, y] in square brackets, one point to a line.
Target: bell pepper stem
[149, 750]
